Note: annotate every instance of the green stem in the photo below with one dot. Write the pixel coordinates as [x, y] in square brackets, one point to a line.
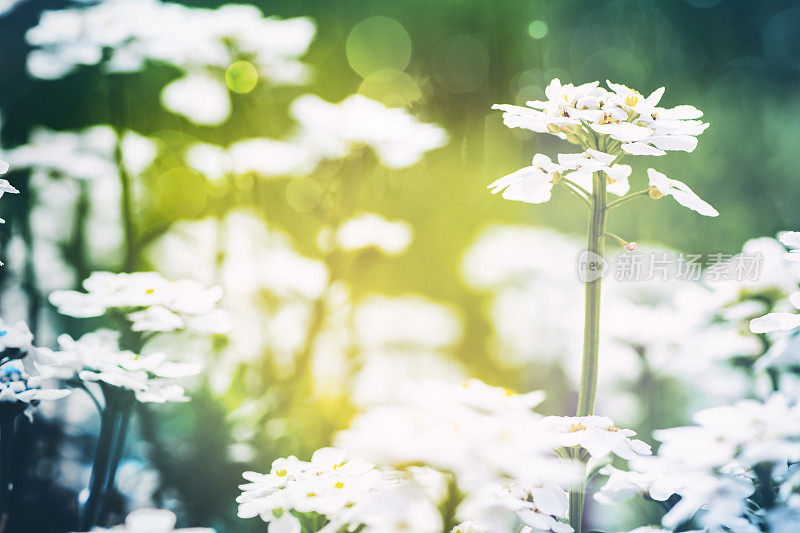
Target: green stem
[8, 416]
[591, 332]
[576, 495]
[626, 198]
[591, 327]
[118, 447]
[100, 464]
[126, 209]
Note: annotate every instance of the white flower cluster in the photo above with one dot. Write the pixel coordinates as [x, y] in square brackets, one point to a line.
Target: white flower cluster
[715, 466]
[501, 453]
[5, 186]
[135, 31]
[97, 357]
[609, 124]
[368, 231]
[782, 321]
[324, 131]
[21, 380]
[328, 485]
[86, 154]
[151, 521]
[203, 43]
[149, 301]
[535, 308]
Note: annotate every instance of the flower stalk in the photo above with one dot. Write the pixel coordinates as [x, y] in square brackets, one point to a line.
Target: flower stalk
[110, 444]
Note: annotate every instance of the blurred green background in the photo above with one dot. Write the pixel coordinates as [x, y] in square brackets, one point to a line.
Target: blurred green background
[448, 61]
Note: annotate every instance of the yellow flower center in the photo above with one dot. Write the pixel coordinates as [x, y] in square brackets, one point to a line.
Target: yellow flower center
[281, 472]
[612, 427]
[149, 291]
[576, 427]
[632, 100]
[339, 485]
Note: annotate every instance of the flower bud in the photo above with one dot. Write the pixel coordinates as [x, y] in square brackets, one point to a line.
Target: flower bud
[631, 246]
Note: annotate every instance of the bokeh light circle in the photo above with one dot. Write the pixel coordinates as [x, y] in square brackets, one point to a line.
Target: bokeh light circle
[461, 63]
[378, 43]
[393, 88]
[537, 29]
[241, 77]
[303, 194]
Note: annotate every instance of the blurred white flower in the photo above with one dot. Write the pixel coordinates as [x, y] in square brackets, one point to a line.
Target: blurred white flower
[398, 139]
[479, 433]
[151, 521]
[712, 465]
[209, 160]
[468, 527]
[16, 343]
[660, 185]
[540, 507]
[271, 158]
[405, 321]
[370, 230]
[131, 32]
[200, 98]
[96, 357]
[151, 302]
[18, 387]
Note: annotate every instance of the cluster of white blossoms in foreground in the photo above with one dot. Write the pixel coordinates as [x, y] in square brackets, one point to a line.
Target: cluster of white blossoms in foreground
[97, 357]
[609, 124]
[149, 301]
[328, 485]
[151, 521]
[503, 456]
[716, 465]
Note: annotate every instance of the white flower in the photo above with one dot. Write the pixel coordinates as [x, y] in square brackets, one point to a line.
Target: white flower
[370, 230]
[778, 321]
[131, 32]
[5, 186]
[542, 506]
[151, 521]
[531, 184]
[329, 484]
[17, 386]
[791, 239]
[151, 302]
[87, 154]
[479, 433]
[16, 343]
[210, 160]
[597, 435]
[96, 357]
[398, 138]
[660, 185]
[468, 527]
[591, 161]
[405, 321]
[200, 98]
